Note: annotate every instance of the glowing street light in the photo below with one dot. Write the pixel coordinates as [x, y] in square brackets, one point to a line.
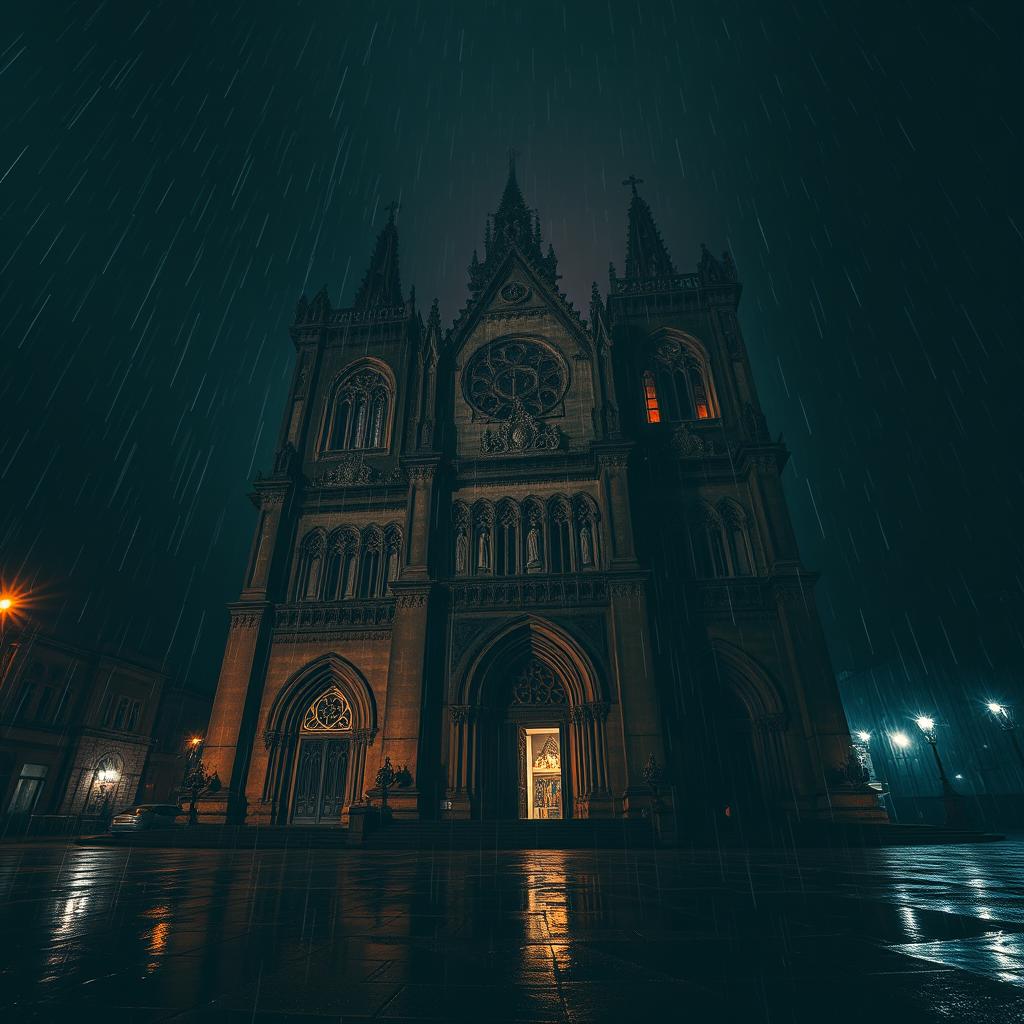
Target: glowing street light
[6, 603]
[864, 737]
[900, 740]
[1004, 716]
[950, 797]
[927, 726]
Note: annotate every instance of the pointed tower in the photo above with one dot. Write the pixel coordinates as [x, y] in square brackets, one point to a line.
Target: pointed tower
[340, 528]
[513, 225]
[646, 255]
[382, 284]
[743, 650]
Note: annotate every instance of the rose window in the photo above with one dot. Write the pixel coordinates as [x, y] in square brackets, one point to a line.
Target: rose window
[328, 713]
[510, 370]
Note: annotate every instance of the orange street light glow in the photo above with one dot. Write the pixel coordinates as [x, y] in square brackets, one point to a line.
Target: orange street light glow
[6, 603]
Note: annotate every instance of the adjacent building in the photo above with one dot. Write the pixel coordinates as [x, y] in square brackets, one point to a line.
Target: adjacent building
[84, 733]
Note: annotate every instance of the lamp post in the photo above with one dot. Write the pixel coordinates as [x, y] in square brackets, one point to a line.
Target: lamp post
[950, 798]
[7, 606]
[1004, 716]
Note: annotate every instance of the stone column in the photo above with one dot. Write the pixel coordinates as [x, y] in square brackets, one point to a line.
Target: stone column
[236, 706]
[461, 743]
[615, 491]
[640, 718]
[419, 510]
[406, 680]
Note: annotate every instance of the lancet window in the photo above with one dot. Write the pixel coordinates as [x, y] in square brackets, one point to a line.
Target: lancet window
[347, 563]
[722, 542]
[359, 411]
[677, 384]
[513, 538]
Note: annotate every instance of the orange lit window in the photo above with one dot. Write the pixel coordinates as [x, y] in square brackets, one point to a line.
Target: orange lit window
[700, 395]
[651, 398]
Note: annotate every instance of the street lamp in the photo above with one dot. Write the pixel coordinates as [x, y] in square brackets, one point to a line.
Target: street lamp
[900, 740]
[1004, 716]
[950, 797]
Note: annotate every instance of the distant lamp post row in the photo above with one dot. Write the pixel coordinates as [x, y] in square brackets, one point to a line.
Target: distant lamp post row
[1004, 716]
[902, 742]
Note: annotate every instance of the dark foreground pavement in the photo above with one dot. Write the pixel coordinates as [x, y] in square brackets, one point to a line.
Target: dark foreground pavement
[909, 935]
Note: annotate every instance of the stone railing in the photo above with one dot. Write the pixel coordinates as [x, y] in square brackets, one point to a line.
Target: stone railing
[675, 283]
[479, 592]
[335, 615]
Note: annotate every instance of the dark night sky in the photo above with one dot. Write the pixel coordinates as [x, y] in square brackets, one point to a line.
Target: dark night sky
[171, 179]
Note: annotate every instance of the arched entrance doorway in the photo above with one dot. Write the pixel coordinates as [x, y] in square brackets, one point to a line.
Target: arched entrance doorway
[527, 739]
[322, 760]
[318, 731]
[523, 768]
[743, 758]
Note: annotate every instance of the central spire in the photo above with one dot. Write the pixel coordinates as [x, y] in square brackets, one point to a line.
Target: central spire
[513, 221]
[516, 224]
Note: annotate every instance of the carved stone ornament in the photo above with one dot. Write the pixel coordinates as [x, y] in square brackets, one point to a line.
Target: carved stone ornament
[245, 620]
[514, 291]
[349, 470]
[520, 434]
[690, 445]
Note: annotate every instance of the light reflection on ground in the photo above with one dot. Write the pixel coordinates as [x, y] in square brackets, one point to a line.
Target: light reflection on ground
[113, 934]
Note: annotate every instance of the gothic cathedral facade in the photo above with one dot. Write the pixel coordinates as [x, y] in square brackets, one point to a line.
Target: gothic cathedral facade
[541, 564]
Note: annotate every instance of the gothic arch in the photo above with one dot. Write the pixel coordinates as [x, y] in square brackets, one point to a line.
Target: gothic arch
[749, 682]
[305, 685]
[359, 409]
[677, 380]
[526, 637]
[285, 739]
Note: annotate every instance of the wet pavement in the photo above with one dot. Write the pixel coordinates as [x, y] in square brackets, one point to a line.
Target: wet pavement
[909, 935]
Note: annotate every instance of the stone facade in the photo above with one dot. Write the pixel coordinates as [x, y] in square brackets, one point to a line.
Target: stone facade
[528, 524]
[75, 728]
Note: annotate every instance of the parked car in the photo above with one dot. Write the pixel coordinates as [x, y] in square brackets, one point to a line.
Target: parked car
[147, 816]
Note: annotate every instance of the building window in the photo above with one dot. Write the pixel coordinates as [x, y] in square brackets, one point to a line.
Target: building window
[560, 543]
[28, 789]
[359, 412]
[330, 712]
[679, 383]
[307, 576]
[651, 398]
[722, 545]
[507, 547]
[126, 714]
[370, 563]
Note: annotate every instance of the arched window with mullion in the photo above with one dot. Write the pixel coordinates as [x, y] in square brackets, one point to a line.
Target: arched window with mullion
[560, 536]
[507, 555]
[359, 411]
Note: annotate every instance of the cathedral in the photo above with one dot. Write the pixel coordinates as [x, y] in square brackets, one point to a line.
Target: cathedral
[539, 564]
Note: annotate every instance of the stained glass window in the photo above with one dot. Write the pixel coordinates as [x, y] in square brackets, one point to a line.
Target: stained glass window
[330, 712]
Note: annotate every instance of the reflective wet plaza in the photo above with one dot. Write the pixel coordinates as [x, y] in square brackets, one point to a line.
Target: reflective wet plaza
[913, 934]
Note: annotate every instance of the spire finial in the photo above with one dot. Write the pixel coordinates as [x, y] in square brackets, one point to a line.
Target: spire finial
[393, 207]
[512, 154]
[632, 181]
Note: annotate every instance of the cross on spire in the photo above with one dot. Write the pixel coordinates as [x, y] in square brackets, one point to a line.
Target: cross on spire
[392, 208]
[512, 154]
[633, 181]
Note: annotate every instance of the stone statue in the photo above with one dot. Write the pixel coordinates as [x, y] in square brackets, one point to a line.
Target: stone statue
[533, 548]
[586, 545]
[461, 551]
[483, 549]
